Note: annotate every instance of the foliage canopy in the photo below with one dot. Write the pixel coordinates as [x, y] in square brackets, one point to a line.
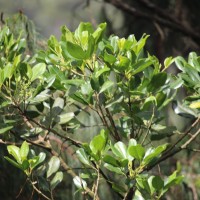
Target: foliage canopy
[103, 98]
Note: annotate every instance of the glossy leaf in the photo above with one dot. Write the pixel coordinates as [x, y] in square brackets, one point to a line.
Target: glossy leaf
[116, 170]
[53, 166]
[75, 51]
[79, 97]
[153, 153]
[168, 61]
[143, 183]
[24, 150]
[82, 156]
[38, 70]
[15, 152]
[157, 81]
[97, 144]
[137, 152]
[120, 150]
[106, 86]
[111, 160]
[141, 65]
[79, 183]
[64, 118]
[37, 160]
[14, 163]
[56, 180]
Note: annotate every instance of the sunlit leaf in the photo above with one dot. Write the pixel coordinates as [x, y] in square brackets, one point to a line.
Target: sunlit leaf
[38, 70]
[80, 183]
[15, 152]
[83, 156]
[137, 152]
[110, 167]
[24, 150]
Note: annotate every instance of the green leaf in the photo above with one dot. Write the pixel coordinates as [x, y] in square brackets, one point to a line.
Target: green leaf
[160, 99]
[122, 63]
[38, 70]
[83, 27]
[117, 170]
[25, 165]
[193, 60]
[176, 83]
[7, 71]
[57, 107]
[53, 70]
[53, 166]
[33, 161]
[195, 105]
[24, 150]
[109, 57]
[140, 44]
[172, 180]
[82, 156]
[75, 51]
[148, 101]
[64, 118]
[94, 83]
[44, 95]
[120, 150]
[132, 142]
[106, 86]
[111, 160]
[101, 71]
[76, 82]
[168, 61]
[137, 152]
[4, 130]
[79, 97]
[157, 183]
[117, 99]
[141, 66]
[79, 183]
[98, 33]
[37, 160]
[118, 188]
[56, 180]
[1, 77]
[15, 152]
[157, 81]
[153, 153]
[97, 144]
[143, 183]
[14, 163]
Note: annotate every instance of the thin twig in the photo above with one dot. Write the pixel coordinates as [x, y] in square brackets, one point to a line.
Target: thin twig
[38, 191]
[183, 136]
[97, 183]
[74, 142]
[116, 134]
[175, 151]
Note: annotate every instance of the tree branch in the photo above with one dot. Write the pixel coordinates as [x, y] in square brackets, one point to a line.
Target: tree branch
[166, 21]
[175, 151]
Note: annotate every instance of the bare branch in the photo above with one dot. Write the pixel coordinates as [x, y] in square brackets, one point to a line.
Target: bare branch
[162, 20]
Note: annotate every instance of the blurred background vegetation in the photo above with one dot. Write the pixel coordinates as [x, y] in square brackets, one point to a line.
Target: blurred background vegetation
[174, 29]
